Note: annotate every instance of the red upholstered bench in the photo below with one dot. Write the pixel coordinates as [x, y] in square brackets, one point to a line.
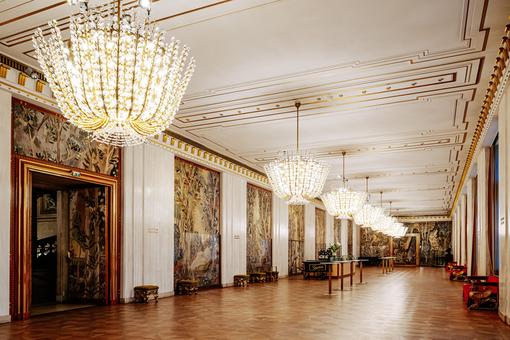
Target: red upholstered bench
[481, 292]
[448, 267]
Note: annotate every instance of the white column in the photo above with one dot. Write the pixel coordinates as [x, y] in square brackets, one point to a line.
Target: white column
[5, 201]
[467, 227]
[463, 250]
[344, 234]
[355, 239]
[504, 212]
[233, 227]
[148, 220]
[482, 246]
[330, 226]
[281, 236]
[309, 232]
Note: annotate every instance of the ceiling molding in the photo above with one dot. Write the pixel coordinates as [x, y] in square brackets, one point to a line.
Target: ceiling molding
[415, 219]
[493, 94]
[208, 158]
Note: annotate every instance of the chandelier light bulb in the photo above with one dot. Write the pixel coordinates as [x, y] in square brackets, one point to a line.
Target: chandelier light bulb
[145, 4]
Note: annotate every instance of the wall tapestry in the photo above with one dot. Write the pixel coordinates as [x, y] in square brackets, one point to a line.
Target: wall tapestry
[296, 238]
[48, 137]
[320, 231]
[259, 211]
[197, 224]
[87, 214]
[373, 244]
[435, 238]
[404, 249]
[337, 230]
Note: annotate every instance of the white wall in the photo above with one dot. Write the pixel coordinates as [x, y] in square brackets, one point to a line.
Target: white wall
[281, 236]
[309, 232]
[148, 220]
[355, 239]
[481, 227]
[467, 239]
[504, 207]
[5, 202]
[462, 212]
[330, 228]
[344, 235]
[233, 227]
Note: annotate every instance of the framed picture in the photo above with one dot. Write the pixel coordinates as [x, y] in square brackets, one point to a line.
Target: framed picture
[47, 206]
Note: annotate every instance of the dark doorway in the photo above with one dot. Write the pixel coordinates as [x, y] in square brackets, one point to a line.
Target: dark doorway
[69, 221]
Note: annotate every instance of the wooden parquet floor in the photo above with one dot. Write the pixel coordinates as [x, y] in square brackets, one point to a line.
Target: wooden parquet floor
[410, 303]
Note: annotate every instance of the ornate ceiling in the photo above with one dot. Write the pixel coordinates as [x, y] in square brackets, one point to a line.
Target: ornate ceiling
[398, 84]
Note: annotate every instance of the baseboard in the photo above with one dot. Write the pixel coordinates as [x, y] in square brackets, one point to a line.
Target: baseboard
[504, 318]
[5, 318]
[226, 285]
[166, 294]
[160, 296]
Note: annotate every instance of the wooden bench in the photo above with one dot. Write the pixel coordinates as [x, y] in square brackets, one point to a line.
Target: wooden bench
[258, 277]
[186, 287]
[241, 280]
[271, 276]
[142, 293]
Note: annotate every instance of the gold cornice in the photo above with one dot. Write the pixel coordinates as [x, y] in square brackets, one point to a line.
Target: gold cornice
[490, 104]
[430, 218]
[207, 158]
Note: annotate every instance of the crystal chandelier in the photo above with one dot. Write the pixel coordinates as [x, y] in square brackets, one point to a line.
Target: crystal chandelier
[368, 215]
[118, 80]
[343, 203]
[297, 177]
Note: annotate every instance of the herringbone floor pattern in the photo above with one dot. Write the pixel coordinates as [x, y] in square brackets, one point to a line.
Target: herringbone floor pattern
[410, 303]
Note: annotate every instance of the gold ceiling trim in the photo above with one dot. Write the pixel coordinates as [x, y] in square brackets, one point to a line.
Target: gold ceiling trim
[207, 158]
[490, 104]
[416, 219]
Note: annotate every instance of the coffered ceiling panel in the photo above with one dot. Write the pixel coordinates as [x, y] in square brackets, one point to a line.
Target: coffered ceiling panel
[397, 84]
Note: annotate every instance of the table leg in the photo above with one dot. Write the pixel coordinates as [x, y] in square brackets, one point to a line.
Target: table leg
[329, 277]
[352, 271]
[361, 272]
[337, 271]
[383, 261]
[342, 276]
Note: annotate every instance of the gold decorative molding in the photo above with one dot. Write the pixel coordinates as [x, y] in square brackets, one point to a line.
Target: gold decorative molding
[3, 70]
[416, 219]
[39, 85]
[490, 104]
[207, 158]
[22, 78]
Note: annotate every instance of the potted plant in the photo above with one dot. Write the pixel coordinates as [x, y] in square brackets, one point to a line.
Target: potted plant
[333, 250]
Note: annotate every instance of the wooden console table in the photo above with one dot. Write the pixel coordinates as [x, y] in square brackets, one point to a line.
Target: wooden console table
[388, 263]
[340, 265]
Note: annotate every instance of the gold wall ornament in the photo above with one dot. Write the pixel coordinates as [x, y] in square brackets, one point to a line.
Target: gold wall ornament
[39, 85]
[22, 78]
[3, 70]
[119, 79]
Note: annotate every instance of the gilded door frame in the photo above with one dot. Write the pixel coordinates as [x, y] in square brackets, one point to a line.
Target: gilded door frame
[21, 224]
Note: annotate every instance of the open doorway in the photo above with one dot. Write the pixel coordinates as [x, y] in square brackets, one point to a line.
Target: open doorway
[65, 239]
[68, 244]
